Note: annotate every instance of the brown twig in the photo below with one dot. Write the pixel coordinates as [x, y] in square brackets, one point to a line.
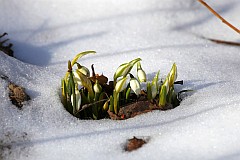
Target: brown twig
[224, 42]
[217, 15]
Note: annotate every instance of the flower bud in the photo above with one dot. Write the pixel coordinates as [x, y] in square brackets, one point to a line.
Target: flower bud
[97, 87]
[84, 70]
[140, 73]
[106, 105]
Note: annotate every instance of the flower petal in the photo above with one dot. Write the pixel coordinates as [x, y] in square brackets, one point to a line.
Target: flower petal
[135, 86]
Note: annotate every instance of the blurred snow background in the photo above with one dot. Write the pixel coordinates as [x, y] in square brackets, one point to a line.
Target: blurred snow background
[47, 33]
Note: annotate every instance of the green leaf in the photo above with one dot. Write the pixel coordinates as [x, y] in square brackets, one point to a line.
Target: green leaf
[111, 106]
[72, 85]
[64, 93]
[79, 55]
[125, 68]
[121, 85]
[163, 96]
[149, 91]
[135, 61]
[170, 95]
[115, 101]
[166, 83]
[84, 97]
[172, 76]
[67, 73]
[128, 94]
[155, 86]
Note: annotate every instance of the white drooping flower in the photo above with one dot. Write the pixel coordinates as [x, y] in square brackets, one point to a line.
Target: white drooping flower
[78, 99]
[135, 86]
[76, 78]
[140, 73]
[84, 70]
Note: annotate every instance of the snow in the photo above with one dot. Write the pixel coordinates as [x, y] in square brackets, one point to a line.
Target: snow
[47, 33]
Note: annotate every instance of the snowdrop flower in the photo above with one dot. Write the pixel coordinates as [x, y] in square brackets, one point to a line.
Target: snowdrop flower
[86, 83]
[140, 73]
[78, 99]
[97, 87]
[121, 85]
[135, 86]
[77, 78]
[84, 70]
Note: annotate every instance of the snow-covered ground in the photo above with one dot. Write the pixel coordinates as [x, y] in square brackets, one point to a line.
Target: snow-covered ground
[48, 33]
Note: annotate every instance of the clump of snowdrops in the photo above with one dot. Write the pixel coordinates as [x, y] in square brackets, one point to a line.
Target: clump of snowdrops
[92, 97]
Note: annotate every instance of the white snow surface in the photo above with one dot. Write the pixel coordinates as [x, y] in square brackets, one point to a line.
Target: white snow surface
[48, 33]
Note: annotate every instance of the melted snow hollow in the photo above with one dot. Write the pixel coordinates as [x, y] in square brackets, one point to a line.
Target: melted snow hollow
[47, 33]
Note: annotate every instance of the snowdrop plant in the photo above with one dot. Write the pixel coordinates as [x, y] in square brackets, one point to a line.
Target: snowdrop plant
[93, 97]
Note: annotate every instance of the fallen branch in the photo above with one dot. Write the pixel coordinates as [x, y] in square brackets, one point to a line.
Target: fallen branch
[217, 15]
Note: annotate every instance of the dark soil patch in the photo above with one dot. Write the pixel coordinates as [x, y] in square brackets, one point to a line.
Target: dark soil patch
[137, 108]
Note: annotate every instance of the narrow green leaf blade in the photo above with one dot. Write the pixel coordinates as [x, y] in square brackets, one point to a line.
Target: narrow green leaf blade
[163, 96]
[79, 55]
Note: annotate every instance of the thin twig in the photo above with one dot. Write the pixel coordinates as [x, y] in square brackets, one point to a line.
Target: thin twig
[224, 42]
[217, 15]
